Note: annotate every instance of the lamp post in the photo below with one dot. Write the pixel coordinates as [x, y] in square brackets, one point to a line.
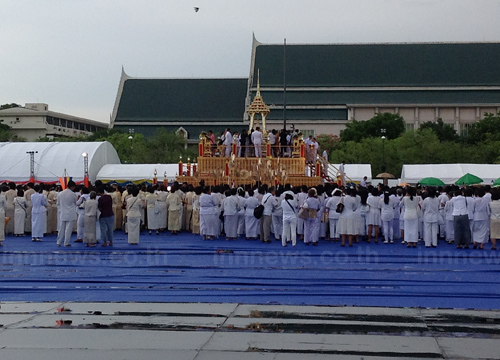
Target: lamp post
[32, 164]
[383, 131]
[86, 169]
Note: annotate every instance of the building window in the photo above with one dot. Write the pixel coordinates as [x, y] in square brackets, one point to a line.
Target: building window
[464, 129]
[69, 124]
[410, 126]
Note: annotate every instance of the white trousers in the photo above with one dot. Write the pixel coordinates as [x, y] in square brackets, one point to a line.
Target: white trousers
[289, 231]
[431, 233]
[65, 231]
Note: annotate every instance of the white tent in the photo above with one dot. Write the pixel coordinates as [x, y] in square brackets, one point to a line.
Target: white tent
[449, 173]
[53, 160]
[137, 173]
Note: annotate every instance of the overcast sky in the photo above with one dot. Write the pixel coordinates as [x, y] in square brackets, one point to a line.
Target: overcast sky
[69, 53]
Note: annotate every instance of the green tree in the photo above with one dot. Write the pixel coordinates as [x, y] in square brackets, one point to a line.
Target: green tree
[444, 132]
[485, 129]
[393, 124]
[8, 106]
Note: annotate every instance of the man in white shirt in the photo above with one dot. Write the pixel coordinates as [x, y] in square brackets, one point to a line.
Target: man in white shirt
[66, 201]
[461, 220]
[257, 141]
[228, 142]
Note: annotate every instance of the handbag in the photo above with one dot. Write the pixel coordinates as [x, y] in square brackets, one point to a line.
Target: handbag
[340, 207]
[259, 210]
[303, 213]
[313, 213]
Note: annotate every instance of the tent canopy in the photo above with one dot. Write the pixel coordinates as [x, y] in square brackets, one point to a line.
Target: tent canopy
[137, 173]
[53, 160]
[449, 173]
[358, 171]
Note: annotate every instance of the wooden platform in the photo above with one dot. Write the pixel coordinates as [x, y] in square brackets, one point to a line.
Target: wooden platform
[250, 170]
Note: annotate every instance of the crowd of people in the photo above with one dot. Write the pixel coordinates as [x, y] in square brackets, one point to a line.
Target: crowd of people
[464, 216]
[249, 143]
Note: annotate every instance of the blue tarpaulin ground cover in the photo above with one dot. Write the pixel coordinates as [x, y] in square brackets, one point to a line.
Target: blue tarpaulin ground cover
[185, 268]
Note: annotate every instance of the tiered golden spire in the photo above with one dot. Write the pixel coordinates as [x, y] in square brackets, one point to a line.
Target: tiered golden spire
[258, 106]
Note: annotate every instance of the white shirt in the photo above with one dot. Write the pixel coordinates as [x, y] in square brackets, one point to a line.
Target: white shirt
[257, 137]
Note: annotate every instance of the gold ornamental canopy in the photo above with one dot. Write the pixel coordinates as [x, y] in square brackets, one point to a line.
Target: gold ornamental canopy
[258, 106]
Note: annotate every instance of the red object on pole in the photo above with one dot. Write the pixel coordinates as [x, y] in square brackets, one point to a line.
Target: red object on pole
[180, 168]
[86, 181]
[200, 149]
[302, 150]
[32, 179]
[227, 169]
[188, 171]
[194, 168]
[318, 168]
[235, 149]
[268, 149]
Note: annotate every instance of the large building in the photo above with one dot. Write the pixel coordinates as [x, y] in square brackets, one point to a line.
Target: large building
[326, 86]
[185, 106]
[35, 121]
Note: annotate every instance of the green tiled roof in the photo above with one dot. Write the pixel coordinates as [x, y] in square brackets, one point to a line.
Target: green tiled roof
[190, 100]
[433, 64]
[383, 97]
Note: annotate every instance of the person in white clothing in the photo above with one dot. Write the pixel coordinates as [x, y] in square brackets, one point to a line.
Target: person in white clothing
[430, 209]
[38, 210]
[480, 225]
[410, 203]
[231, 207]
[289, 207]
[228, 142]
[257, 141]
[386, 216]
[66, 202]
[333, 215]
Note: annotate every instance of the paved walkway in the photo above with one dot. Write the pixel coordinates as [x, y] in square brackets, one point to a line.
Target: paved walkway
[192, 331]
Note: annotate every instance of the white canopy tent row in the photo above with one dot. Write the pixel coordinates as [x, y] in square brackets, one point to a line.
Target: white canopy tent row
[449, 173]
[53, 160]
[124, 174]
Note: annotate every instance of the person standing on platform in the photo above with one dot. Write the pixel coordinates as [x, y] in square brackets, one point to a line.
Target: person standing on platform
[411, 205]
[231, 207]
[10, 195]
[174, 205]
[430, 209]
[257, 141]
[66, 203]
[266, 219]
[3, 205]
[27, 195]
[228, 142]
[290, 210]
[311, 225]
[251, 222]
[134, 206]
[106, 219]
[20, 212]
[90, 215]
[153, 212]
[209, 215]
[39, 202]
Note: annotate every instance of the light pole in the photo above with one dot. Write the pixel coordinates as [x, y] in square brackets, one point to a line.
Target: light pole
[382, 131]
[86, 169]
[32, 164]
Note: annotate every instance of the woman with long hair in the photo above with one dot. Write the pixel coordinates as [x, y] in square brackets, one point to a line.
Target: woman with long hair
[411, 206]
